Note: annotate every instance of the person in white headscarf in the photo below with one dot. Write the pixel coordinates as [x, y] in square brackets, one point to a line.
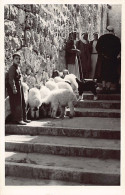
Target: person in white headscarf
[71, 55]
[94, 54]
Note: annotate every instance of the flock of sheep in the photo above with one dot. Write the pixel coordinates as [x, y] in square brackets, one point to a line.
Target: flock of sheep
[52, 98]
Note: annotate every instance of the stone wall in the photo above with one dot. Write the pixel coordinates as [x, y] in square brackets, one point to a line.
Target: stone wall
[39, 32]
[114, 18]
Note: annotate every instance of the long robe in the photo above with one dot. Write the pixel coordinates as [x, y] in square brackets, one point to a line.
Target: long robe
[17, 102]
[108, 48]
[94, 57]
[85, 58]
[72, 62]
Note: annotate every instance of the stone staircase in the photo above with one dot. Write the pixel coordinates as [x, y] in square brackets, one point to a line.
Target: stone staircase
[84, 150]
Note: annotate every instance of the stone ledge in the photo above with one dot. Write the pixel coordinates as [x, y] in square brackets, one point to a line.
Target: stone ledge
[58, 173]
[63, 131]
[99, 104]
[65, 150]
[96, 112]
[102, 96]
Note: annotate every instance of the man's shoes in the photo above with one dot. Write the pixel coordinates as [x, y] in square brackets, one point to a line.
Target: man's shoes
[27, 121]
[20, 123]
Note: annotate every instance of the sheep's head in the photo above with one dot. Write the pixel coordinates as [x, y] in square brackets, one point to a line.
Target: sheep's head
[45, 109]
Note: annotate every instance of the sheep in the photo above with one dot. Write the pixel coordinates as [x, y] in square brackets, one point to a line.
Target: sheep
[60, 99]
[34, 100]
[25, 92]
[64, 85]
[58, 79]
[72, 79]
[51, 85]
[45, 111]
[44, 92]
[51, 79]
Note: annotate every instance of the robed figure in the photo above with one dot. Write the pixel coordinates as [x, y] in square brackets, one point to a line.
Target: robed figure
[85, 56]
[71, 55]
[108, 48]
[15, 92]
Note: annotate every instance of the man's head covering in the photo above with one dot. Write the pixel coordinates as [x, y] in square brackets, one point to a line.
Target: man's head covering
[84, 33]
[16, 54]
[110, 29]
[71, 33]
[95, 33]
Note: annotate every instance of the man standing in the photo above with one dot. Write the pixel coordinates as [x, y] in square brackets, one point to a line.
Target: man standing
[108, 48]
[85, 56]
[15, 92]
[71, 55]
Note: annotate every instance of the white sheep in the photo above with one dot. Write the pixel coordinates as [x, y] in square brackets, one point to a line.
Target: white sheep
[58, 79]
[25, 92]
[72, 79]
[44, 92]
[64, 85]
[34, 100]
[60, 99]
[51, 85]
[51, 79]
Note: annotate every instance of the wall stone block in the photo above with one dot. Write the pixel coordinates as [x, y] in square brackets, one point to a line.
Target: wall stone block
[10, 28]
[21, 16]
[6, 12]
[27, 37]
[27, 8]
[13, 12]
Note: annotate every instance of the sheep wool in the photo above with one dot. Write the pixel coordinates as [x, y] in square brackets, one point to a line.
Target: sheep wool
[51, 85]
[34, 98]
[72, 79]
[64, 85]
[60, 99]
[44, 92]
[25, 91]
[51, 79]
[58, 79]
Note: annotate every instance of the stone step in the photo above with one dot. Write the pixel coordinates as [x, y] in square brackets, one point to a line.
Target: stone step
[107, 104]
[89, 123]
[67, 146]
[20, 181]
[89, 96]
[96, 112]
[81, 170]
[61, 131]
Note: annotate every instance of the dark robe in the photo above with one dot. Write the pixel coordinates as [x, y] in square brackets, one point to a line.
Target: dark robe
[71, 54]
[108, 48]
[85, 58]
[17, 102]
